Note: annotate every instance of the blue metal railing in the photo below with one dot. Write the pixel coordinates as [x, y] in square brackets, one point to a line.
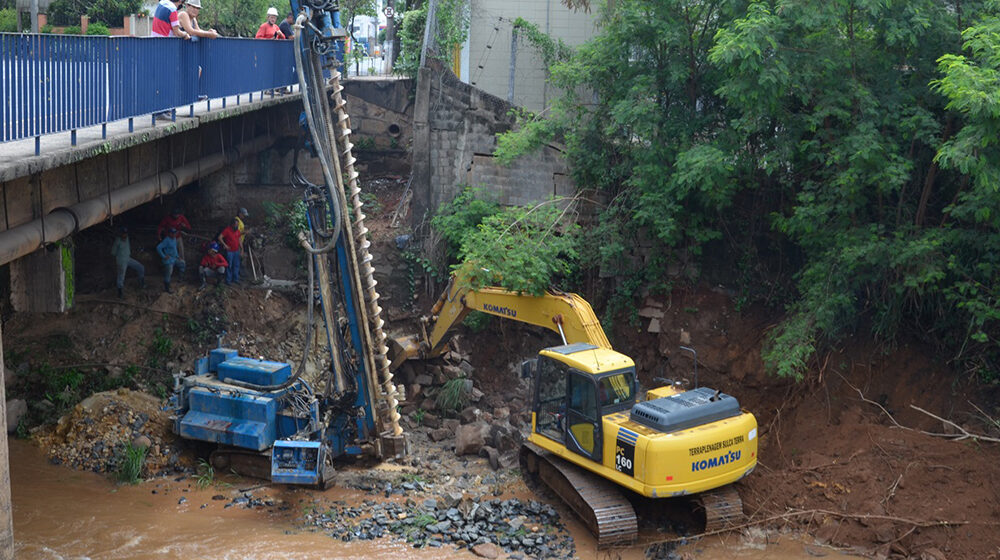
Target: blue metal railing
[58, 83]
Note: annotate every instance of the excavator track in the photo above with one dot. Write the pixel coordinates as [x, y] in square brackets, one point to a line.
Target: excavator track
[599, 503]
[723, 508]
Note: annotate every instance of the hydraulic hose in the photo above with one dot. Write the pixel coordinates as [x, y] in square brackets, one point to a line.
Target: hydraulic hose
[314, 131]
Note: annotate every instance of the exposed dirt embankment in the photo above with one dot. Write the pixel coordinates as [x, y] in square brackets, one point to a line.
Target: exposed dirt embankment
[831, 462]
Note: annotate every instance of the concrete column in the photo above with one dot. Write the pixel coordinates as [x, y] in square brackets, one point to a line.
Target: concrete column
[43, 281]
[421, 183]
[6, 514]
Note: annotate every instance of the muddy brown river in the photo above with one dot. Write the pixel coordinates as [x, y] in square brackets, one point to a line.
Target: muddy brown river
[62, 514]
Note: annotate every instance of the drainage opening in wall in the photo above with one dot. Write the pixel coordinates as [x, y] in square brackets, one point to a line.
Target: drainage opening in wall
[394, 130]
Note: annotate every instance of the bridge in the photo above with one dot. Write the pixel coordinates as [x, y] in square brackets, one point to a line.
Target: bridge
[81, 150]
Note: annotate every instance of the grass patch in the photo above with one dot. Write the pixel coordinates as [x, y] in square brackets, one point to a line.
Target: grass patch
[205, 475]
[130, 464]
[452, 396]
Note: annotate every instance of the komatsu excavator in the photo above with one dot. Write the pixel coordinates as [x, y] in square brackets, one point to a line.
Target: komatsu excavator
[590, 435]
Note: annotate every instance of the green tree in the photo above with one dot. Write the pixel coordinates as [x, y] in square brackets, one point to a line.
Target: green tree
[235, 18]
[8, 20]
[812, 144]
[451, 30]
[109, 12]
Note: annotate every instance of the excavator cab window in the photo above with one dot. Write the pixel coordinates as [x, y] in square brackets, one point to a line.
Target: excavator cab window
[616, 391]
[584, 434]
[550, 398]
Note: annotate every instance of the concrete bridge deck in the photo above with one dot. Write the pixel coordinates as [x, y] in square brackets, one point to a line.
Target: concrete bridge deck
[18, 159]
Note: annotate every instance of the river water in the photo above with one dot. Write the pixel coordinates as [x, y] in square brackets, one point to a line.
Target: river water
[62, 514]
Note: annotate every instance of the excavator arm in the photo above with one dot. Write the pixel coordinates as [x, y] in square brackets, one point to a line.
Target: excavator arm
[569, 315]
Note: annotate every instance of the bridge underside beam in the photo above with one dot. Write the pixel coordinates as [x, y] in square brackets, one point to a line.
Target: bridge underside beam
[64, 221]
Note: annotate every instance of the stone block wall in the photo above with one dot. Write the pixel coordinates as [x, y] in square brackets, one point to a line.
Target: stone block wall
[462, 123]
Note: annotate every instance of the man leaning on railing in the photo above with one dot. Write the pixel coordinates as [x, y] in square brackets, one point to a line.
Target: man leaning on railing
[166, 21]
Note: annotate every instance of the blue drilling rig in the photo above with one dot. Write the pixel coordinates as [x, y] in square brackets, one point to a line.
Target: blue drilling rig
[265, 418]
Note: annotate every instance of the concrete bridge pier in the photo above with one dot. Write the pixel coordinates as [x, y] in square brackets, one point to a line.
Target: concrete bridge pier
[6, 513]
[42, 282]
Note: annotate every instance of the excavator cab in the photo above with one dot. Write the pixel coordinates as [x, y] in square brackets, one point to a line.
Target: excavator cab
[576, 385]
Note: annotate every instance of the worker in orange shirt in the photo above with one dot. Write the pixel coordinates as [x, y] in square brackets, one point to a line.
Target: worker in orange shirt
[269, 29]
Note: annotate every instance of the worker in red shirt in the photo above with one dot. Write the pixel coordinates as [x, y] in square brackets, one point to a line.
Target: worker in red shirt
[177, 221]
[212, 264]
[269, 29]
[233, 243]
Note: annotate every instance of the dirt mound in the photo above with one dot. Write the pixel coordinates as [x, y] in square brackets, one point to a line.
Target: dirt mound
[830, 462]
[95, 433]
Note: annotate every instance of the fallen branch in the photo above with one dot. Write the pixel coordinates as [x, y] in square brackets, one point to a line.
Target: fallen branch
[921, 523]
[965, 433]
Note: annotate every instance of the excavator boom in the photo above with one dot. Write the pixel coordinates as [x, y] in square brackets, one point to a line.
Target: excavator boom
[568, 315]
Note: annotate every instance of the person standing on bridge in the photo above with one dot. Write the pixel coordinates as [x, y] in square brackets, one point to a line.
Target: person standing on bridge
[286, 25]
[269, 29]
[189, 22]
[167, 249]
[166, 22]
[122, 252]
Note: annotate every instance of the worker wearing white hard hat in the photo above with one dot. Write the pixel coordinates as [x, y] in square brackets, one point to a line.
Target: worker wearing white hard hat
[269, 29]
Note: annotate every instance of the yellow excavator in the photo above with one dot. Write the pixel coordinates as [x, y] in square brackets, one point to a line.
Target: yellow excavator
[590, 434]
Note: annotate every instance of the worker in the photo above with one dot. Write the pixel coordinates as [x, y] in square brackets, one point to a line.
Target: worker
[167, 249]
[269, 29]
[212, 264]
[122, 251]
[230, 239]
[243, 214]
[177, 221]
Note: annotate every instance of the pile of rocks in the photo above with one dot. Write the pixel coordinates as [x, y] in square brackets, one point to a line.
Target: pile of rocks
[485, 526]
[94, 434]
[488, 426]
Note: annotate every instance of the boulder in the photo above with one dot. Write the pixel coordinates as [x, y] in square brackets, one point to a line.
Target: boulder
[486, 550]
[451, 424]
[452, 372]
[423, 379]
[475, 395]
[504, 437]
[414, 392]
[651, 313]
[467, 368]
[16, 409]
[470, 438]
[469, 415]
[431, 421]
[440, 434]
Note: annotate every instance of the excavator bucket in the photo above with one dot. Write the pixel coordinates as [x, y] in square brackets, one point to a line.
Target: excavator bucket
[402, 349]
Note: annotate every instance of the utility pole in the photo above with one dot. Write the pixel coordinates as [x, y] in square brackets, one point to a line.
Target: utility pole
[390, 32]
[513, 65]
[34, 16]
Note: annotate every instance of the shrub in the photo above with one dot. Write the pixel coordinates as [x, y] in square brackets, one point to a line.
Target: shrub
[8, 20]
[98, 28]
[130, 463]
[72, 30]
